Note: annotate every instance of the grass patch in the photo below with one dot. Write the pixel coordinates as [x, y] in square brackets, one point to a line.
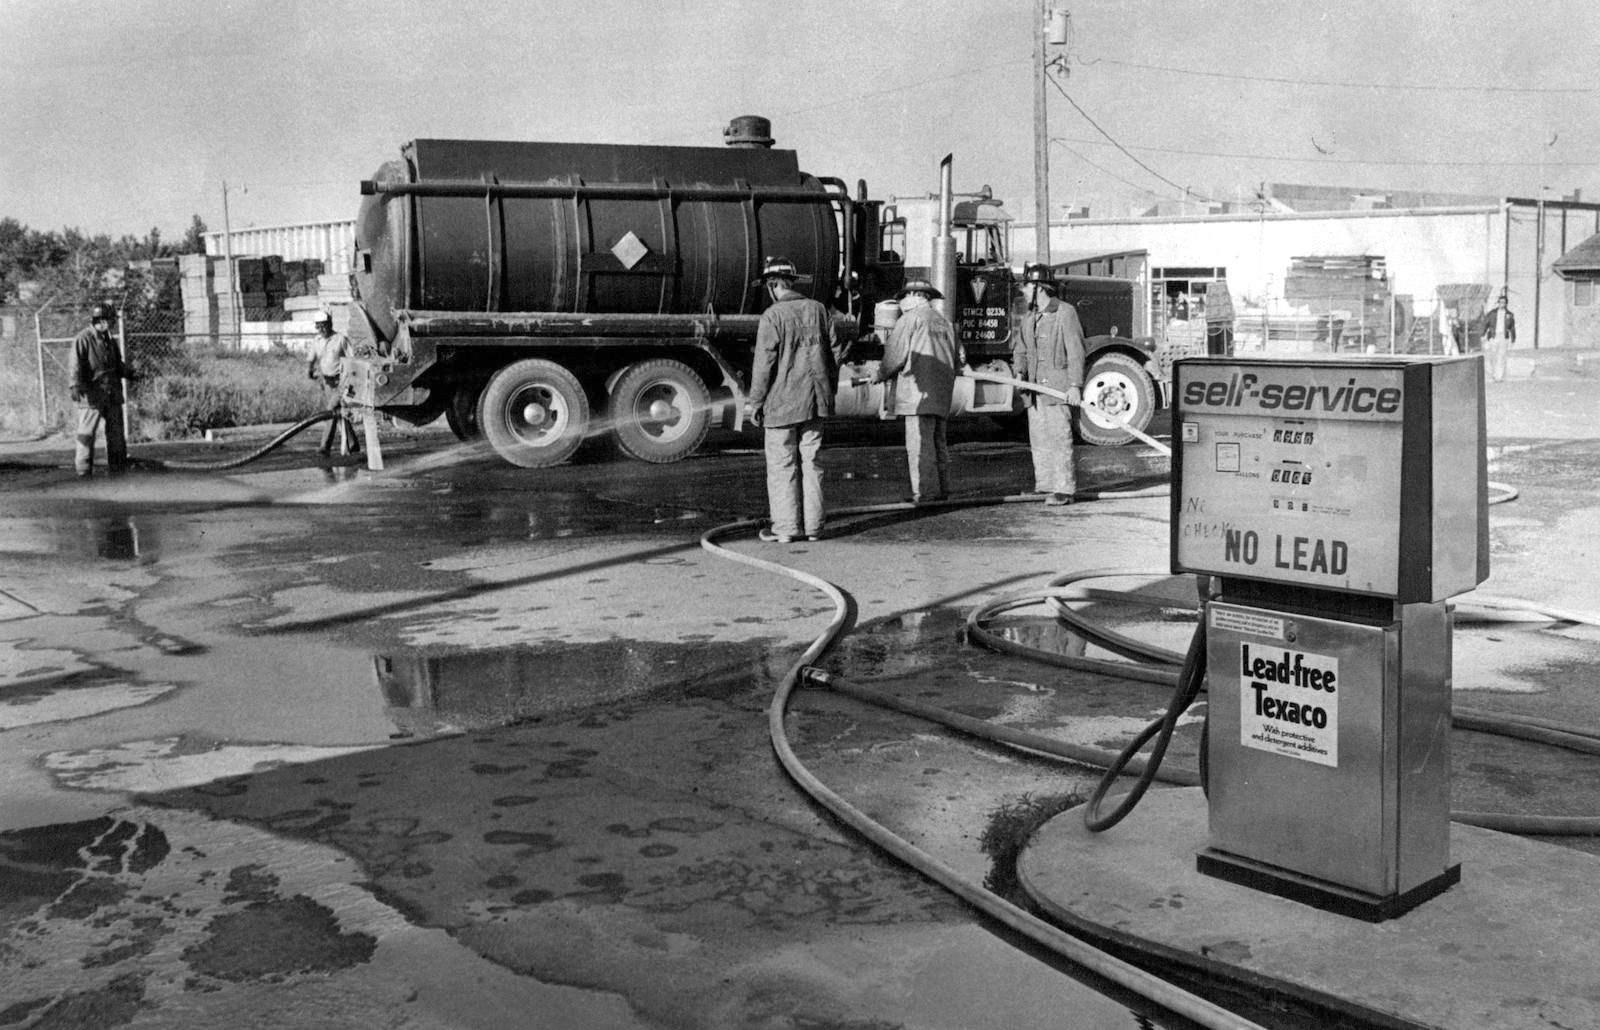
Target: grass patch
[1010, 828]
[219, 389]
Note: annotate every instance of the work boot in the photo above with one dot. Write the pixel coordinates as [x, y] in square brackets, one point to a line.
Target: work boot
[768, 536]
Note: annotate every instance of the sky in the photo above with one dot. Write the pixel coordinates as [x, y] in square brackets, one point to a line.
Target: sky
[119, 117]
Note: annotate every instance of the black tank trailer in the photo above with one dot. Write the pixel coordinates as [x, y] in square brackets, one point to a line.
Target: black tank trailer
[537, 294]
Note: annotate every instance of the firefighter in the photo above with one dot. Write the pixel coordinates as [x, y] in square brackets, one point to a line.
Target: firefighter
[327, 363]
[1049, 351]
[97, 375]
[792, 382]
[921, 356]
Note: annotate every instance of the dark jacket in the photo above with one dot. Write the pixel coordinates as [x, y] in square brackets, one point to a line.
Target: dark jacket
[1049, 350]
[796, 366]
[1489, 321]
[921, 357]
[97, 368]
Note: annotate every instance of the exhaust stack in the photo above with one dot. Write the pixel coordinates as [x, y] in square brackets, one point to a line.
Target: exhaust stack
[943, 268]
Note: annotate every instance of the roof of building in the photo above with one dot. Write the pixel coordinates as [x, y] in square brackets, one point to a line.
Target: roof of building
[1581, 262]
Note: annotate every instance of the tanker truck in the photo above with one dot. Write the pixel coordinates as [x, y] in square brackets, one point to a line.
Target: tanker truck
[539, 294]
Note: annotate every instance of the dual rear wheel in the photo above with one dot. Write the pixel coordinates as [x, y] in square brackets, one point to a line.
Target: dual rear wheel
[535, 413]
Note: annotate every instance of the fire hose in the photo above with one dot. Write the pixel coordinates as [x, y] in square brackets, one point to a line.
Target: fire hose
[1185, 672]
[258, 453]
[1122, 422]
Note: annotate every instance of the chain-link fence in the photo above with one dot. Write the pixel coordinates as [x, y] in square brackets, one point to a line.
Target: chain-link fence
[188, 381]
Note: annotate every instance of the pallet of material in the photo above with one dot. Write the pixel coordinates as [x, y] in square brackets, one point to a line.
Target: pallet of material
[333, 285]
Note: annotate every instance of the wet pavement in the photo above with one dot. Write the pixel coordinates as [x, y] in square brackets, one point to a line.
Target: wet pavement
[457, 744]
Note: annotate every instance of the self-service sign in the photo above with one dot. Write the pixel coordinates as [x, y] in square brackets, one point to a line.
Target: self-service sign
[1366, 476]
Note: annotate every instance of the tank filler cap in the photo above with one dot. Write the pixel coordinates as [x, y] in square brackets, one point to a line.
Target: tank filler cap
[748, 130]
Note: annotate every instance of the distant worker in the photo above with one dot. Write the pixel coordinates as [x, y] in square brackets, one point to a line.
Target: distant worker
[1447, 330]
[97, 375]
[1499, 333]
[327, 364]
[1049, 351]
[921, 356]
[792, 381]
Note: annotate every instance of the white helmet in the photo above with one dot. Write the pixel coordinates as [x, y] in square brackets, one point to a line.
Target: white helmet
[322, 318]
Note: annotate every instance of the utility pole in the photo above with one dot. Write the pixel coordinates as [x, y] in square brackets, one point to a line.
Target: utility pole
[1041, 140]
[233, 275]
[1050, 30]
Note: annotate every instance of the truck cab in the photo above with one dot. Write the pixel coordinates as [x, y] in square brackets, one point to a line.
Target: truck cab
[1127, 378]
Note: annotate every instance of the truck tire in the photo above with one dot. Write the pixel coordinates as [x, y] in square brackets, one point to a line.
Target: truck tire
[660, 411]
[534, 413]
[461, 413]
[1119, 385]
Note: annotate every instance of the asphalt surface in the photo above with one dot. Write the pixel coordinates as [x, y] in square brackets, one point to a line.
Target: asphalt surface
[456, 744]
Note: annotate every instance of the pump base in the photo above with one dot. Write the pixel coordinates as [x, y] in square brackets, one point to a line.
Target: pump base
[1320, 894]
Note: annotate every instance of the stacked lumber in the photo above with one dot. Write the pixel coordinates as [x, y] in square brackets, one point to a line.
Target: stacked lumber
[270, 302]
[1350, 291]
[197, 285]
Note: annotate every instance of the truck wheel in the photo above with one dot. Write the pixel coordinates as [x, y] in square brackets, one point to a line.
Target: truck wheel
[661, 411]
[534, 413]
[1124, 392]
[461, 414]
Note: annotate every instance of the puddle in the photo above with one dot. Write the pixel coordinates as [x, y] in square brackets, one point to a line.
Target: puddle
[433, 693]
[111, 537]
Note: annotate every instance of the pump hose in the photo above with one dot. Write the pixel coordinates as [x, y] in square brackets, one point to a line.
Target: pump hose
[1124, 974]
[1517, 727]
[260, 452]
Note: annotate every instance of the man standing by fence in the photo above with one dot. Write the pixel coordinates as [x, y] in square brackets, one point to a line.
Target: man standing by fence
[97, 375]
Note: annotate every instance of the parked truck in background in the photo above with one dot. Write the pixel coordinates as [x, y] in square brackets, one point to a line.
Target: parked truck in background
[539, 294]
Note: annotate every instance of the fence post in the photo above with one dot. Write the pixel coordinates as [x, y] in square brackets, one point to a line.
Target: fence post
[38, 347]
[122, 382]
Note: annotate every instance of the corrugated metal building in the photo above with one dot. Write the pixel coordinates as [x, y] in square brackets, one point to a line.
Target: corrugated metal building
[332, 243]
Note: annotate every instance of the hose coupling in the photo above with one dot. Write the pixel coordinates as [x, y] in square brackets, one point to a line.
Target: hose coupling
[812, 676]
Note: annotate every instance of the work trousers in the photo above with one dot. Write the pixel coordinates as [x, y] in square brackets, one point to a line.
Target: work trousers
[91, 418]
[350, 443]
[794, 482]
[1497, 346]
[1050, 437]
[928, 456]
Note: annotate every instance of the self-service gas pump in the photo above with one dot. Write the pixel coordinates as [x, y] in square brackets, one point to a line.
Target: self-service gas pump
[1338, 503]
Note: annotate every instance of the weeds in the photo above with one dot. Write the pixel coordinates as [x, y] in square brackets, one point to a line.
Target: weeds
[1009, 829]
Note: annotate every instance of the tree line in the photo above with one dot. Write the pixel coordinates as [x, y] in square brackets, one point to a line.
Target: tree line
[70, 266]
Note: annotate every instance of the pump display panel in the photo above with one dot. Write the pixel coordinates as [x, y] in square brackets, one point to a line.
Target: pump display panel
[1366, 476]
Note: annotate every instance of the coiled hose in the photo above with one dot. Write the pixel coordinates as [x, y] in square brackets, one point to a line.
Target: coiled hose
[1113, 969]
[260, 452]
[1065, 588]
[1184, 672]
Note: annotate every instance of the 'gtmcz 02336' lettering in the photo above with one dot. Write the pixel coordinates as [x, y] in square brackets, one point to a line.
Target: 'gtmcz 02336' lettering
[1242, 386]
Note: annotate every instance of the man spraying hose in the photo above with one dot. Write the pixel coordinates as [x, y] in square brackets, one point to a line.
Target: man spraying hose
[327, 363]
[1049, 351]
[97, 375]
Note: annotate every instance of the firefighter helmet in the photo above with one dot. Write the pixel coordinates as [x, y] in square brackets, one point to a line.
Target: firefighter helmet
[1038, 275]
[779, 268]
[103, 313]
[322, 318]
[922, 286]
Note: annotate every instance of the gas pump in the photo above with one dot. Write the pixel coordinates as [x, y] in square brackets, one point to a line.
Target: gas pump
[1337, 504]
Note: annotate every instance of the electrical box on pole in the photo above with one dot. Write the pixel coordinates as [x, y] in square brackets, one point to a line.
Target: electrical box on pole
[1338, 503]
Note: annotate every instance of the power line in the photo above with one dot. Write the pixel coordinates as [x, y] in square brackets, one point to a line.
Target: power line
[1100, 168]
[1336, 84]
[1183, 190]
[1473, 163]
